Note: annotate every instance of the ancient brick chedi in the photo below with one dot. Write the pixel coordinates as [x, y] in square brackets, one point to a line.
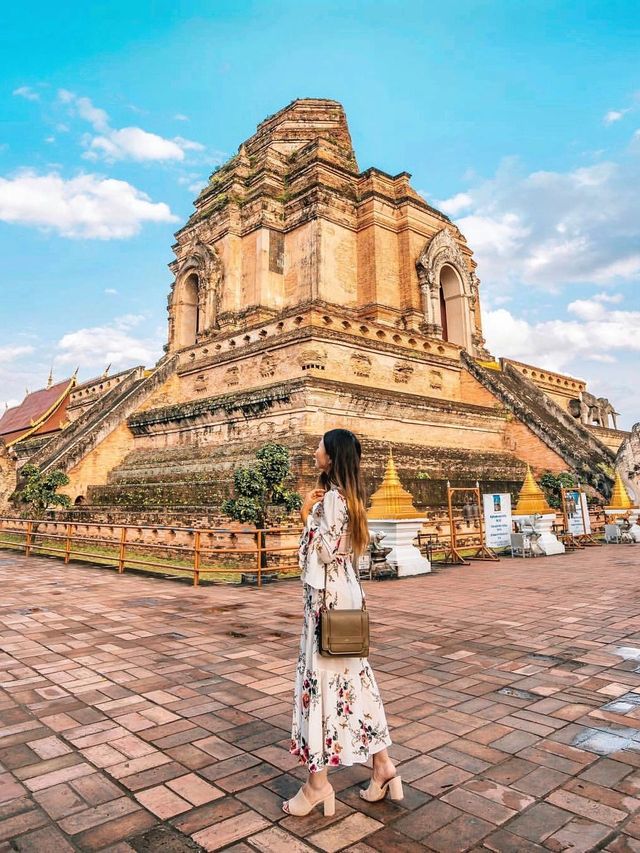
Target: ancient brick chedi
[309, 294]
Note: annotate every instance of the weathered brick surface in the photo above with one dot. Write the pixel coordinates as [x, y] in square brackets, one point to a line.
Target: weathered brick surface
[495, 679]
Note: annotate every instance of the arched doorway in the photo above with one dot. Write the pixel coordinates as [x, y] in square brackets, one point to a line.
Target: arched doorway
[454, 318]
[187, 312]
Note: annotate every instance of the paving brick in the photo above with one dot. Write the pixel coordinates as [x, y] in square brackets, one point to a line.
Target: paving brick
[194, 789]
[462, 834]
[579, 836]
[468, 801]
[96, 789]
[275, 840]
[163, 802]
[347, 831]
[587, 808]
[539, 822]
[45, 840]
[21, 823]
[426, 819]
[227, 831]
[60, 801]
[89, 818]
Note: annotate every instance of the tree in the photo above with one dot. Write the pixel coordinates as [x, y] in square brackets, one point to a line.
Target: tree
[260, 485]
[552, 484]
[40, 491]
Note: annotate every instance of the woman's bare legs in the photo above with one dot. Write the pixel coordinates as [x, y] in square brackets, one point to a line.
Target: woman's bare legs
[317, 783]
[383, 767]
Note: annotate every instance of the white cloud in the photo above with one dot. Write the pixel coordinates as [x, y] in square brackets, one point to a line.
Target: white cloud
[126, 143]
[87, 206]
[553, 229]
[180, 117]
[598, 334]
[26, 92]
[112, 343]
[133, 143]
[11, 352]
[455, 205]
[111, 291]
[613, 116]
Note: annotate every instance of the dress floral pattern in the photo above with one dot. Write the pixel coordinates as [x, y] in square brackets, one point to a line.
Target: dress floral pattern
[338, 716]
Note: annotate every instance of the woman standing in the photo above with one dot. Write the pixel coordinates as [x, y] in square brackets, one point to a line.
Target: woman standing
[338, 717]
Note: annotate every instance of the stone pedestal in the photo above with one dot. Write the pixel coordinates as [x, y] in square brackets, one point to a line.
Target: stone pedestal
[548, 542]
[632, 514]
[399, 534]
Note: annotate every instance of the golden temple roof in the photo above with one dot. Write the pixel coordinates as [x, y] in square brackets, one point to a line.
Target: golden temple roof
[531, 500]
[391, 500]
[619, 496]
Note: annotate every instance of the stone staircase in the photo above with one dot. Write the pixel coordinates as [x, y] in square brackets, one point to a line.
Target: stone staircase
[71, 445]
[584, 454]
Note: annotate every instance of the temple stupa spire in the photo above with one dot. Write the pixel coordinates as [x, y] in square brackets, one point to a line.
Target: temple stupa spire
[391, 500]
[531, 500]
[619, 496]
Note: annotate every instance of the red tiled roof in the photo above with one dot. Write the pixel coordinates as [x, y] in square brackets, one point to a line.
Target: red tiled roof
[33, 407]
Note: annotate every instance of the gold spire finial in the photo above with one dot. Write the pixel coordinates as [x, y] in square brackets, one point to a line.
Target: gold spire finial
[531, 500]
[50, 379]
[619, 496]
[106, 371]
[391, 500]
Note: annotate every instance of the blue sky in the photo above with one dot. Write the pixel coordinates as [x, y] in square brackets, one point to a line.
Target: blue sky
[520, 119]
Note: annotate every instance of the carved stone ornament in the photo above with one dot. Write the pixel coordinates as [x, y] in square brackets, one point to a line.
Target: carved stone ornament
[443, 249]
[360, 364]
[402, 372]
[310, 359]
[268, 364]
[232, 375]
[200, 383]
[435, 379]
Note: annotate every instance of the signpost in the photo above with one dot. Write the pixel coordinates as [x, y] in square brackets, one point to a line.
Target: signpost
[497, 520]
[577, 523]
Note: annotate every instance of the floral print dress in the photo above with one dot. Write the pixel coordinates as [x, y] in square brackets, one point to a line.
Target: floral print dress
[338, 717]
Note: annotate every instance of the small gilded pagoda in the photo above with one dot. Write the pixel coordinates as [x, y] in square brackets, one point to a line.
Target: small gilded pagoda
[531, 500]
[393, 514]
[533, 514]
[620, 500]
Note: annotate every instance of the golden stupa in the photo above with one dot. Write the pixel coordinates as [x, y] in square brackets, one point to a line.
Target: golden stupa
[391, 500]
[619, 496]
[531, 500]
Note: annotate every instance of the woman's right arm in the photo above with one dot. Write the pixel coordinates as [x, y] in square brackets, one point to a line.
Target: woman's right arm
[310, 500]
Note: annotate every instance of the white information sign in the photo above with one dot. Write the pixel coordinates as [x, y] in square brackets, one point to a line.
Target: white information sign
[577, 512]
[497, 520]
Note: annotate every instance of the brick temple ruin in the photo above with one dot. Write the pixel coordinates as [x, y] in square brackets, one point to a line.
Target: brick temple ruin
[308, 294]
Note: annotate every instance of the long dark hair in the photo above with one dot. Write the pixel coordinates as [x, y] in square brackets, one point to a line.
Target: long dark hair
[344, 450]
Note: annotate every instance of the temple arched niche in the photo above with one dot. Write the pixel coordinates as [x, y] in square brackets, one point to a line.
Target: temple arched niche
[448, 304]
[195, 297]
[453, 305]
[187, 318]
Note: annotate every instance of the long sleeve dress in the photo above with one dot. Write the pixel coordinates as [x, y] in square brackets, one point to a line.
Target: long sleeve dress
[338, 716]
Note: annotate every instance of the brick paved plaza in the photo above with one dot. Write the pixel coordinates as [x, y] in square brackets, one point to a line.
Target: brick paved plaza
[142, 714]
